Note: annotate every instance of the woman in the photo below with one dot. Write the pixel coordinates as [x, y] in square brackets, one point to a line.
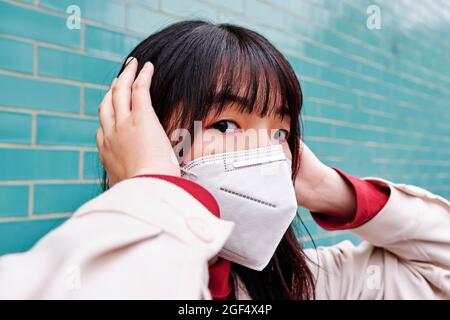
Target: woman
[215, 223]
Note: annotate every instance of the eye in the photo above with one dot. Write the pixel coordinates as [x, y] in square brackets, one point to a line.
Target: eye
[281, 134]
[225, 126]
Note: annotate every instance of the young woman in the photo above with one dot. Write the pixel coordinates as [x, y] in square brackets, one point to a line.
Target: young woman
[213, 219]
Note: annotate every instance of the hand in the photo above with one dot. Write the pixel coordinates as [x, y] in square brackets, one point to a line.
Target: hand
[131, 140]
[321, 189]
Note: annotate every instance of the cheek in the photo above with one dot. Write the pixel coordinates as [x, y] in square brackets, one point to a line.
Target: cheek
[287, 150]
[213, 142]
[207, 143]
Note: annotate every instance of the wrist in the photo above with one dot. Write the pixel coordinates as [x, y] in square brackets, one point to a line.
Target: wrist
[330, 195]
[310, 186]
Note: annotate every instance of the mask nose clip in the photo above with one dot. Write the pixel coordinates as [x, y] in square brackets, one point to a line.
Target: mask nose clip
[190, 175]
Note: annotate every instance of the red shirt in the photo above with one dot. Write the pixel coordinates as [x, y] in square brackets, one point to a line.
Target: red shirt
[370, 199]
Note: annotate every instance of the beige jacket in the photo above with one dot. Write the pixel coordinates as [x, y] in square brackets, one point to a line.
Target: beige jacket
[147, 238]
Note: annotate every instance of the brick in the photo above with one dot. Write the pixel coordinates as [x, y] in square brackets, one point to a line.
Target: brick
[39, 94]
[32, 164]
[92, 99]
[145, 21]
[110, 42]
[15, 127]
[92, 166]
[13, 200]
[55, 130]
[60, 198]
[16, 55]
[74, 66]
[189, 9]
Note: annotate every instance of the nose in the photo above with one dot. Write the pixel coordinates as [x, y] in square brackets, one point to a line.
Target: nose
[264, 138]
[252, 138]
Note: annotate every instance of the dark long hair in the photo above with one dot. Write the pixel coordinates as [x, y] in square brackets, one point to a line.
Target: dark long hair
[199, 68]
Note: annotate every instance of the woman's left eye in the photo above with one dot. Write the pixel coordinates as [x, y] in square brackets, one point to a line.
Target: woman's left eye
[281, 134]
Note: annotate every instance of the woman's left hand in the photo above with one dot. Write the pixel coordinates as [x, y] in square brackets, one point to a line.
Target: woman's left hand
[131, 140]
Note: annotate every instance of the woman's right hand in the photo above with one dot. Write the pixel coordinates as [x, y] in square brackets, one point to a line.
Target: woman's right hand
[131, 140]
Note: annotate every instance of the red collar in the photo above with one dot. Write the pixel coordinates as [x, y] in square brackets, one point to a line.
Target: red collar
[220, 284]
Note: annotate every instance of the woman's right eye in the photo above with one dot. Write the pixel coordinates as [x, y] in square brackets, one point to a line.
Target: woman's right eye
[225, 126]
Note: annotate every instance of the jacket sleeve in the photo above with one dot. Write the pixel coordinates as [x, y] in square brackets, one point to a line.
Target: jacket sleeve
[132, 242]
[405, 253]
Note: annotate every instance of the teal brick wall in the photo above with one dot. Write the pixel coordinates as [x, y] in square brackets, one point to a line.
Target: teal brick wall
[376, 101]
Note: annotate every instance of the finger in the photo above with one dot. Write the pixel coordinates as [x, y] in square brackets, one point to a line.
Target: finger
[141, 100]
[106, 112]
[121, 91]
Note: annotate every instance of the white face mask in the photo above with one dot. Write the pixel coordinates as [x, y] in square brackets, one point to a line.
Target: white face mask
[254, 190]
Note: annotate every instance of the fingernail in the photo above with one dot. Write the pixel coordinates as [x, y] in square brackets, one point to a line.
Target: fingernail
[113, 82]
[150, 65]
[129, 59]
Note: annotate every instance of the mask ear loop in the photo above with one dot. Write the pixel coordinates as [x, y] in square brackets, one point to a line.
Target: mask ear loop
[191, 175]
